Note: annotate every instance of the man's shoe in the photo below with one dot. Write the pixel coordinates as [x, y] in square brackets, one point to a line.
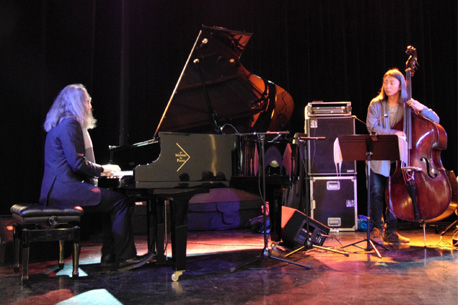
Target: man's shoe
[394, 238]
[134, 262]
[108, 260]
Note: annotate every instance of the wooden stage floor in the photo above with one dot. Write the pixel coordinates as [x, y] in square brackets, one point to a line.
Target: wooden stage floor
[410, 274]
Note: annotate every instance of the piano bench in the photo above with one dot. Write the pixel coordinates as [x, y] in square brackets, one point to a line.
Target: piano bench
[37, 223]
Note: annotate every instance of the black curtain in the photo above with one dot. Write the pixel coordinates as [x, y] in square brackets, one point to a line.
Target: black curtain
[130, 54]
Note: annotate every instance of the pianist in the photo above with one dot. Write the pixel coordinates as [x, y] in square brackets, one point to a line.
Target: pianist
[69, 172]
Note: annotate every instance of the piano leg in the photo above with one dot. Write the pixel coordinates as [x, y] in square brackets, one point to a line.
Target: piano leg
[156, 228]
[179, 203]
[156, 222]
[179, 232]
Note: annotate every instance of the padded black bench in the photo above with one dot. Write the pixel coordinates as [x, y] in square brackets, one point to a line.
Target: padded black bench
[36, 223]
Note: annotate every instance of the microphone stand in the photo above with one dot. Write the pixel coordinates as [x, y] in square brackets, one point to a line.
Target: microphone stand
[266, 251]
[212, 116]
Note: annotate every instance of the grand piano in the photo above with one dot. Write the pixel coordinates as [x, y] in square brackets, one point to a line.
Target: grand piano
[207, 137]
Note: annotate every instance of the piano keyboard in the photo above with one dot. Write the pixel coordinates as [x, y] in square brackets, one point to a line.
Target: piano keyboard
[119, 179]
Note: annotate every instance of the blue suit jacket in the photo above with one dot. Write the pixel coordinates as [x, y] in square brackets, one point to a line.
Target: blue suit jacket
[66, 169]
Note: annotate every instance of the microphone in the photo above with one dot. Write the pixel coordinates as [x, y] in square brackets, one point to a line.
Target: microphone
[302, 137]
[379, 119]
[359, 120]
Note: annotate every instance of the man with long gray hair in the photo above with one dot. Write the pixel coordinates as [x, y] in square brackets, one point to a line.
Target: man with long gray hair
[69, 172]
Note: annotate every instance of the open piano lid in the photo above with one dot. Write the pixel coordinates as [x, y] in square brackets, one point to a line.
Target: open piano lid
[214, 89]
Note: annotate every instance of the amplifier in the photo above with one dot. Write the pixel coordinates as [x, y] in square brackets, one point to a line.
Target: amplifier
[321, 152]
[294, 228]
[334, 202]
[320, 108]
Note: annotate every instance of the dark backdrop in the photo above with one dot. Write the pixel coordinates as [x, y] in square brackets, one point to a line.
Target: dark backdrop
[131, 53]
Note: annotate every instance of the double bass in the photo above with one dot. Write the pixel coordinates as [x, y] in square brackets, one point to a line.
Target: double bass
[421, 189]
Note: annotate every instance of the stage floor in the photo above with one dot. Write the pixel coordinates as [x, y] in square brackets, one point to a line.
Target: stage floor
[409, 274]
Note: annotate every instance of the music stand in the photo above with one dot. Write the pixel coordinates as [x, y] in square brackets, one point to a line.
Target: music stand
[367, 148]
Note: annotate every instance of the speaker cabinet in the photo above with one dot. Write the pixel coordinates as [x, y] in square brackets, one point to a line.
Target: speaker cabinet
[333, 201]
[294, 228]
[321, 152]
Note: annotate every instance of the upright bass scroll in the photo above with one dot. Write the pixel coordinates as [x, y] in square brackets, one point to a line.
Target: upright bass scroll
[421, 189]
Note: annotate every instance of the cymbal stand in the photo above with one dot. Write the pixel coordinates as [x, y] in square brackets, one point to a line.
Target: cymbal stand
[266, 251]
